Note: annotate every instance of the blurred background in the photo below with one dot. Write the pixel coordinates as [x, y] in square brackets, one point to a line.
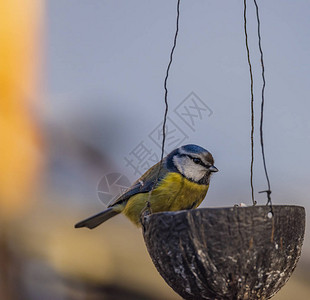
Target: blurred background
[82, 102]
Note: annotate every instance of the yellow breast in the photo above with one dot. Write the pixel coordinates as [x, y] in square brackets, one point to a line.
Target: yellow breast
[174, 193]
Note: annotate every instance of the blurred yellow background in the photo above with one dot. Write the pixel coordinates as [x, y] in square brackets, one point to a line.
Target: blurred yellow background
[71, 110]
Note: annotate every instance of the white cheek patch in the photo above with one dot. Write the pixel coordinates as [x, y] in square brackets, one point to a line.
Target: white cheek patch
[188, 168]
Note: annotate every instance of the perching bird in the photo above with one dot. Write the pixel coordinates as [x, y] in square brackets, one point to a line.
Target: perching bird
[182, 183]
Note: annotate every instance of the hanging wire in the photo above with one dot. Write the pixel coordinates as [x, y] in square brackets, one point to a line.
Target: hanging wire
[268, 191]
[165, 84]
[252, 101]
[166, 103]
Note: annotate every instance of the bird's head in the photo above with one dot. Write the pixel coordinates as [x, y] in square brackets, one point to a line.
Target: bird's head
[193, 162]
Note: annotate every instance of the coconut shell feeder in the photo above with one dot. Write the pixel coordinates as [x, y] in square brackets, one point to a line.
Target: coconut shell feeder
[226, 253]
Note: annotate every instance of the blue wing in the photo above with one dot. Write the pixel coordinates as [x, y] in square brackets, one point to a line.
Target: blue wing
[144, 184]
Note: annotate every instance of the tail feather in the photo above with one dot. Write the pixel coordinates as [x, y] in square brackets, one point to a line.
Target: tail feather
[96, 220]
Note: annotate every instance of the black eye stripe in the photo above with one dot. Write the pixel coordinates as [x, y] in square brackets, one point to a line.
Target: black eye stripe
[200, 161]
[192, 158]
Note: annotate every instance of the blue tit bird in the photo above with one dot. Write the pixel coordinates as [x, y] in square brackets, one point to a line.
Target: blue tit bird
[182, 183]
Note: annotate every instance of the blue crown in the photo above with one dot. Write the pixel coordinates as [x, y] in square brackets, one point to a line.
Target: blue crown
[193, 148]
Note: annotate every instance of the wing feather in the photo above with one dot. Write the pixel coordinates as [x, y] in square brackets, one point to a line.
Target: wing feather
[144, 184]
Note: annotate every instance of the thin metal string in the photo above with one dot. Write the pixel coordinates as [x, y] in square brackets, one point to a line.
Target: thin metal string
[268, 191]
[165, 85]
[252, 101]
[166, 102]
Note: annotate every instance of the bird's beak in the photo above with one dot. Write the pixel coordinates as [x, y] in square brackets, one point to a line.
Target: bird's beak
[213, 169]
